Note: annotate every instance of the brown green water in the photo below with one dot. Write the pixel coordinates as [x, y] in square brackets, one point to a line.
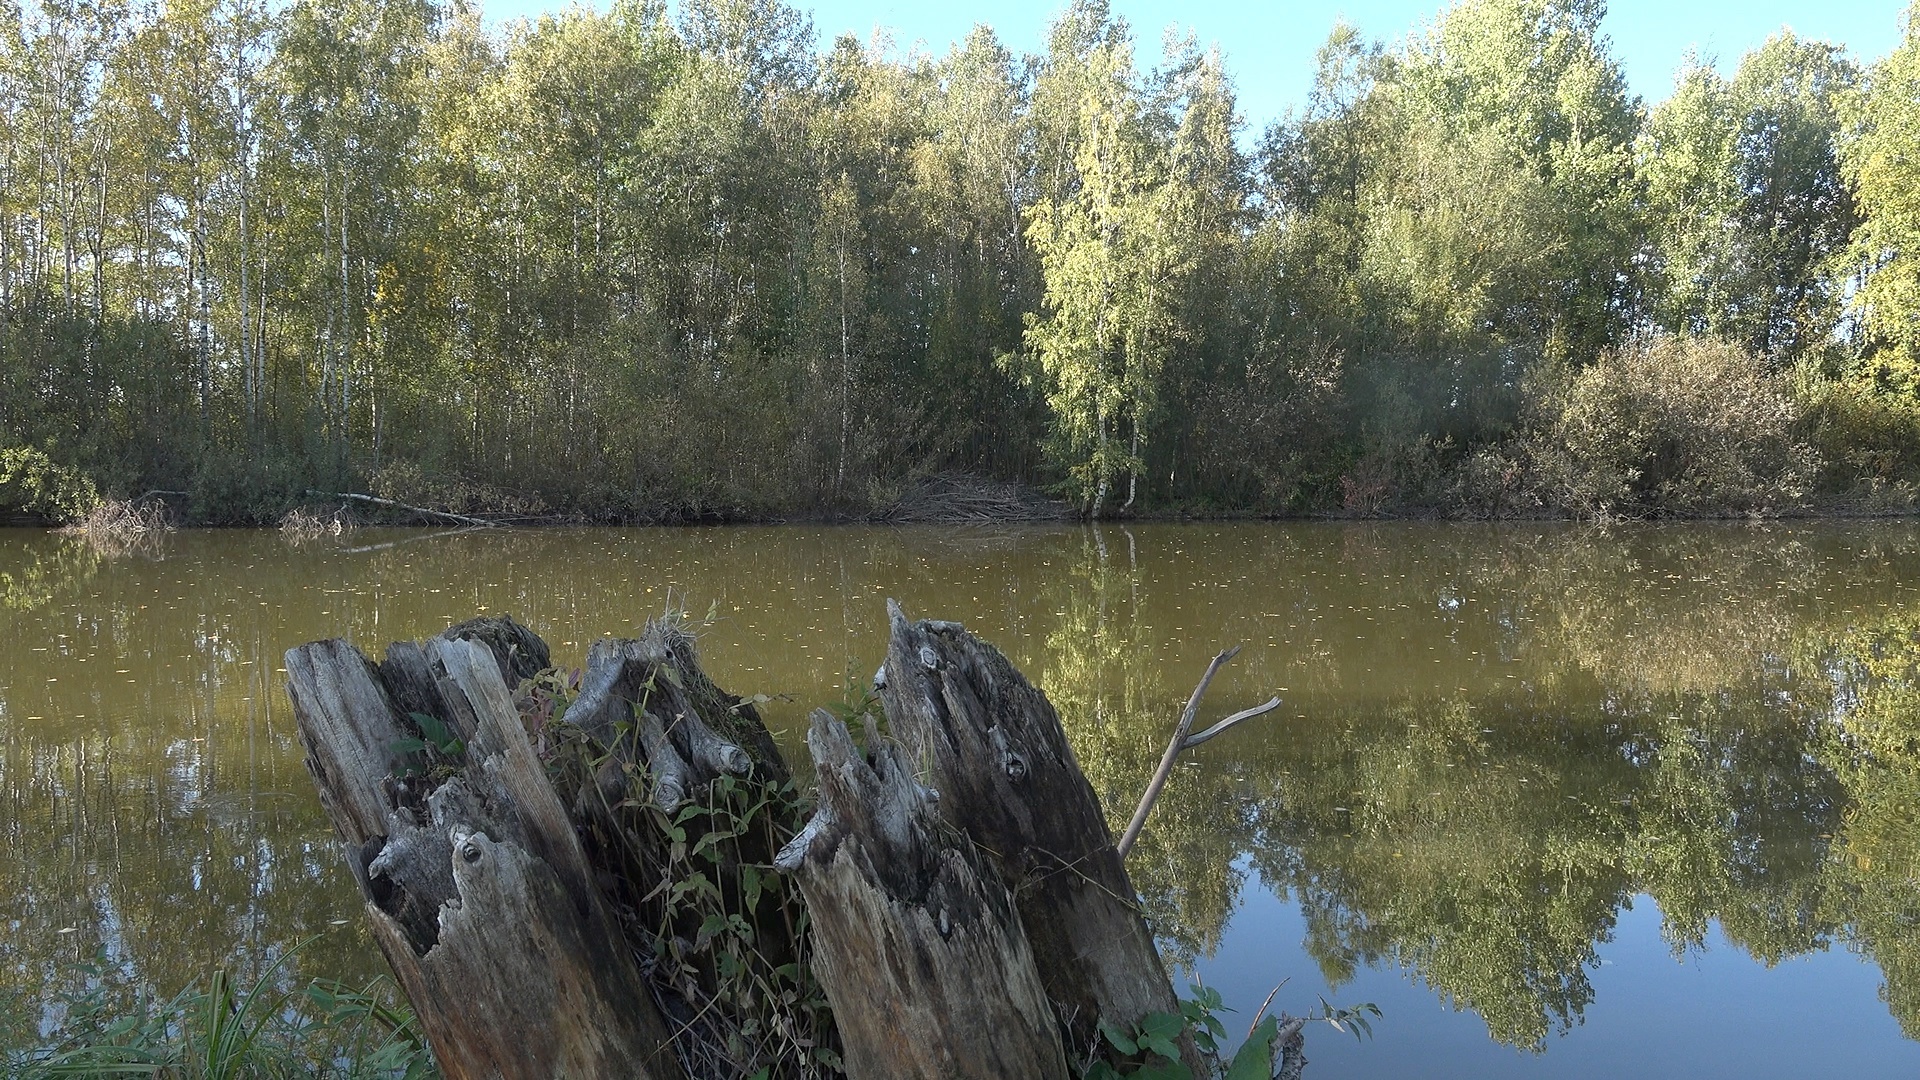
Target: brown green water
[1561, 802]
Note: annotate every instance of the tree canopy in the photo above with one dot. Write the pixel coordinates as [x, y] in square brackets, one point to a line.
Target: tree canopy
[645, 263]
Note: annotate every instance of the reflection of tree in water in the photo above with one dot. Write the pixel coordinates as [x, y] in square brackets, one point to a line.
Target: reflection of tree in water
[1114, 701]
[37, 566]
[248, 872]
[1403, 847]
[1666, 611]
[1487, 849]
[1493, 739]
[1666, 736]
[1875, 869]
[154, 812]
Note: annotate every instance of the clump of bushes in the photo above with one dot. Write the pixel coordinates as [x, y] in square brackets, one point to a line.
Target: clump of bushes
[33, 484]
[406, 482]
[1868, 434]
[1682, 426]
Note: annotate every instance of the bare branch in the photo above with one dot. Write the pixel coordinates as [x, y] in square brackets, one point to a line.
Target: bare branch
[1262, 1011]
[1173, 751]
[462, 518]
[1246, 714]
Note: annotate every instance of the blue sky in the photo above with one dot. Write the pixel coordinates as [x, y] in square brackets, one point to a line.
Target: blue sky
[1269, 46]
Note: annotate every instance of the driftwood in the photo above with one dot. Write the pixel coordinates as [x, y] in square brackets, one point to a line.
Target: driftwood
[568, 864]
[968, 908]
[911, 925]
[994, 749]
[1290, 1048]
[445, 534]
[477, 889]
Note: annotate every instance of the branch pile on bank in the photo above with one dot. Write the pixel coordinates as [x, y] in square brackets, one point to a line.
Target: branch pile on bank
[966, 499]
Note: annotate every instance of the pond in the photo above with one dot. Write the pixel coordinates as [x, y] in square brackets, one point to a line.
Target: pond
[1561, 802]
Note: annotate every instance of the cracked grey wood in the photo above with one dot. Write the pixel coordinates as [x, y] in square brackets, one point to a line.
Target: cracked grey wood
[523, 971]
[994, 749]
[917, 941]
[654, 685]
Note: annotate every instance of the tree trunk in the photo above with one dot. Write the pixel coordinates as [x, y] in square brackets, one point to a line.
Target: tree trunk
[846, 357]
[203, 321]
[6, 235]
[250, 376]
[994, 748]
[478, 890]
[345, 363]
[919, 945]
[1133, 468]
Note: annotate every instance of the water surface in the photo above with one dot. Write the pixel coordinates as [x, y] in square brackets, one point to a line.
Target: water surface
[1561, 802]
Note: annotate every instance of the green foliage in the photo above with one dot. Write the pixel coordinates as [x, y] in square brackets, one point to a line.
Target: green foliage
[1670, 425]
[1150, 1048]
[859, 706]
[1353, 1019]
[33, 483]
[437, 746]
[1750, 211]
[726, 928]
[1866, 432]
[726, 899]
[257, 1031]
[1880, 155]
[1254, 1060]
[631, 267]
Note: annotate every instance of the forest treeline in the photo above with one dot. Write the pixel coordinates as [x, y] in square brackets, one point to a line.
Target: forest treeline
[645, 265]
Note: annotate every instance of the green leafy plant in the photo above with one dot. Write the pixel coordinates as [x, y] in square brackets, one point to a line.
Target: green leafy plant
[542, 700]
[723, 927]
[33, 483]
[441, 747]
[859, 706]
[1150, 1048]
[1353, 1019]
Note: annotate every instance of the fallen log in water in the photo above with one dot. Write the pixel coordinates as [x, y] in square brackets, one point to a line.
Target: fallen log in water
[611, 873]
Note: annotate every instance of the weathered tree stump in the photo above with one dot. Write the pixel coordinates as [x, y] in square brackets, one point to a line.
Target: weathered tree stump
[917, 940]
[684, 729]
[602, 906]
[994, 749]
[667, 764]
[476, 886]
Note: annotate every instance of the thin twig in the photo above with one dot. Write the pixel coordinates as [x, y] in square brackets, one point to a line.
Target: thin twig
[1246, 714]
[1173, 751]
[1263, 1005]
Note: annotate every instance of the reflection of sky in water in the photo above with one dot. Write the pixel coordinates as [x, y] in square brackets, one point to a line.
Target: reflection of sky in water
[1631, 712]
[1712, 1014]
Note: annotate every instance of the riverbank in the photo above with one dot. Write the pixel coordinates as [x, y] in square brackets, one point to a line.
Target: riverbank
[343, 512]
